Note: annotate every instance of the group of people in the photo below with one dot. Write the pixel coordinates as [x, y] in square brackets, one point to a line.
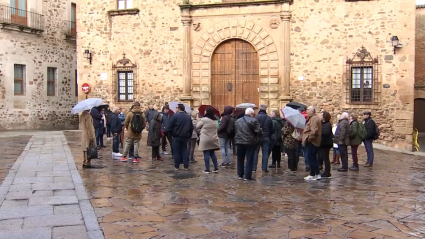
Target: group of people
[247, 133]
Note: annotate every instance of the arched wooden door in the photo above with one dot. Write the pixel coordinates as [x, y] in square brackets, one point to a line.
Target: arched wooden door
[419, 122]
[234, 74]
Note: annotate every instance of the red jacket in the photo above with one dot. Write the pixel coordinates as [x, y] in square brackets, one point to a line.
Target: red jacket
[304, 113]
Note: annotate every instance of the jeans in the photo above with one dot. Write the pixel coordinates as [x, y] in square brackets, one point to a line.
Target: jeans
[180, 151]
[248, 152]
[191, 145]
[207, 155]
[99, 136]
[354, 155]
[343, 151]
[292, 159]
[324, 156]
[167, 136]
[226, 153]
[128, 144]
[116, 144]
[264, 144]
[368, 144]
[311, 154]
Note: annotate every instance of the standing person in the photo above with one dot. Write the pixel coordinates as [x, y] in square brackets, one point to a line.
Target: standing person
[311, 141]
[150, 114]
[164, 123]
[290, 145]
[247, 127]
[225, 138]
[342, 138]
[192, 141]
[266, 125]
[122, 119]
[102, 130]
[97, 117]
[134, 123]
[326, 143]
[181, 128]
[336, 154]
[372, 133]
[208, 139]
[108, 113]
[154, 135]
[88, 135]
[276, 139]
[355, 141]
[116, 128]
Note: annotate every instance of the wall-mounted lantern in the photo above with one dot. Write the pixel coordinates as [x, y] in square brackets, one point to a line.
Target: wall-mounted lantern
[87, 55]
[395, 43]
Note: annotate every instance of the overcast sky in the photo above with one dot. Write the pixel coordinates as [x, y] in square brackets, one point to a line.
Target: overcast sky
[420, 1]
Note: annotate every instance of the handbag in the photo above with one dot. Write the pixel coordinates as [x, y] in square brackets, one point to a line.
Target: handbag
[91, 151]
[297, 135]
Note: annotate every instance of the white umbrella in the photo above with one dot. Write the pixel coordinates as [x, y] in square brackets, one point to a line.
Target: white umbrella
[294, 117]
[246, 105]
[173, 105]
[86, 104]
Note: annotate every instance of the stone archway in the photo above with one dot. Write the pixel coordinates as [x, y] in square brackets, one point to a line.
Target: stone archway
[248, 31]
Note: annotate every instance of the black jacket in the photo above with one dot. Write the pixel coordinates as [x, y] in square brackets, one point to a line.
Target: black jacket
[97, 117]
[245, 130]
[115, 123]
[370, 128]
[180, 125]
[150, 114]
[108, 114]
[266, 124]
[222, 130]
[278, 124]
[327, 135]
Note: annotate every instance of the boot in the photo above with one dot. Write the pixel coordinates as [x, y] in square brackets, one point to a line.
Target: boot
[273, 165]
[278, 164]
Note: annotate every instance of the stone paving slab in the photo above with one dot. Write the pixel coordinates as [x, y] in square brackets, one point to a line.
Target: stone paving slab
[43, 196]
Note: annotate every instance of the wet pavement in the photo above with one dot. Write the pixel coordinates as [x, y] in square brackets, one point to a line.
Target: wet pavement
[11, 148]
[150, 200]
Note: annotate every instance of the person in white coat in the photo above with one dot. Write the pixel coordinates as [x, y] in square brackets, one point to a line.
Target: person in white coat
[208, 139]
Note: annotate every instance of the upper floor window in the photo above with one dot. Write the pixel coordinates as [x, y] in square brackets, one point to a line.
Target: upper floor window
[73, 18]
[125, 4]
[19, 79]
[362, 78]
[18, 12]
[51, 81]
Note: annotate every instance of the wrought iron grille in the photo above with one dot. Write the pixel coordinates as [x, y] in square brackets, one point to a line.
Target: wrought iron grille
[70, 28]
[362, 73]
[124, 80]
[19, 17]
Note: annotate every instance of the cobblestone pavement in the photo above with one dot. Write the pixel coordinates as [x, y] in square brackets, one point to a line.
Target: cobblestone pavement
[43, 197]
[11, 148]
[150, 200]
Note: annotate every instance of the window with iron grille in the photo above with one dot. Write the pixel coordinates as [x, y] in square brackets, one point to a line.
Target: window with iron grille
[19, 79]
[125, 86]
[362, 78]
[125, 4]
[51, 81]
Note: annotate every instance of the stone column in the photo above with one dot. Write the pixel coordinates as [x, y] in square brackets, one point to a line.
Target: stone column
[187, 56]
[285, 94]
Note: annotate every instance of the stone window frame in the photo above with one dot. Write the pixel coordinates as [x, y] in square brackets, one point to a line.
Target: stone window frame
[52, 81]
[22, 81]
[363, 59]
[124, 65]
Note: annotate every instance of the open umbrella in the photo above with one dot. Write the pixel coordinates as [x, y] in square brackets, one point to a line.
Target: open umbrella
[173, 106]
[86, 104]
[296, 105]
[202, 109]
[294, 117]
[240, 109]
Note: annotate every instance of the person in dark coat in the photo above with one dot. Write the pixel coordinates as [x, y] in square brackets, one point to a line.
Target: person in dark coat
[355, 141]
[116, 129]
[326, 143]
[226, 153]
[181, 128]
[266, 125]
[108, 113]
[150, 114]
[371, 135]
[342, 138]
[164, 123]
[154, 135]
[97, 124]
[276, 139]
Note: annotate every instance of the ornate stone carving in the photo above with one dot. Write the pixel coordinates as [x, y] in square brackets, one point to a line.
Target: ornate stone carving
[274, 22]
[196, 26]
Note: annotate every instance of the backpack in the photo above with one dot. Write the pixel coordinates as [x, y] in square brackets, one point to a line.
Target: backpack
[361, 131]
[136, 123]
[230, 130]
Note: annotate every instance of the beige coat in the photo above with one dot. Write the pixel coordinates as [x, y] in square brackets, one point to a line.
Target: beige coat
[86, 125]
[208, 140]
[312, 131]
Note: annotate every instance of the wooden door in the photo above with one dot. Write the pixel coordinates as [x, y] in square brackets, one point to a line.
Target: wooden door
[234, 74]
[19, 12]
[419, 122]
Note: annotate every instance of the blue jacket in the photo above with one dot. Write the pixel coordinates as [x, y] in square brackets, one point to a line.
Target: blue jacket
[165, 120]
[266, 124]
[97, 117]
[180, 125]
[122, 118]
[115, 123]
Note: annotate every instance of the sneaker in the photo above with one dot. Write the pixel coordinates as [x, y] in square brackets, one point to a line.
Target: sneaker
[228, 164]
[206, 171]
[354, 168]
[193, 161]
[249, 179]
[176, 169]
[186, 169]
[164, 153]
[254, 171]
[318, 177]
[113, 155]
[367, 165]
[215, 170]
[342, 170]
[124, 159]
[118, 155]
[240, 177]
[136, 160]
[223, 165]
[310, 178]
[131, 158]
[326, 176]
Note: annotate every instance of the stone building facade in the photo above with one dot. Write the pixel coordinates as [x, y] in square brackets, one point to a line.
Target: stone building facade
[334, 54]
[37, 64]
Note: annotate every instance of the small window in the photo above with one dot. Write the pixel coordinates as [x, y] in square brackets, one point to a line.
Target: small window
[125, 4]
[125, 86]
[19, 79]
[51, 81]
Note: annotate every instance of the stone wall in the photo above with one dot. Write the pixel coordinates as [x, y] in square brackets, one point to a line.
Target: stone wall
[34, 109]
[420, 47]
